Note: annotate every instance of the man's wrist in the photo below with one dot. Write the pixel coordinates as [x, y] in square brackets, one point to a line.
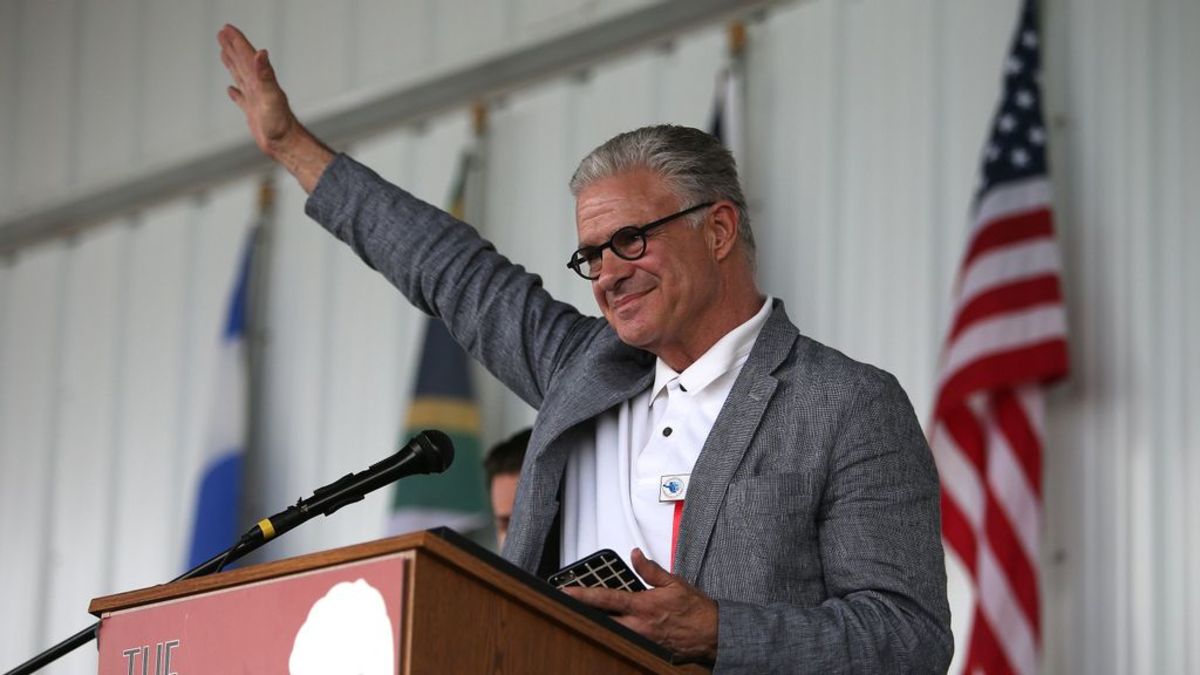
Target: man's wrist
[303, 155]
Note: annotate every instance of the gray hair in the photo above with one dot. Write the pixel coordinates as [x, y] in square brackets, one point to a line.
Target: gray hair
[696, 167]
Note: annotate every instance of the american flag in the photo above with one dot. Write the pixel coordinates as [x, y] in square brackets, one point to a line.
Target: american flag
[1006, 342]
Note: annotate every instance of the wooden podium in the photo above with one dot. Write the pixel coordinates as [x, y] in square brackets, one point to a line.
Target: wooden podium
[450, 607]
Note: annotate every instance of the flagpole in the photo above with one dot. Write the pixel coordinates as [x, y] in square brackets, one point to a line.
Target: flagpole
[736, 43]
[257, 344]
[475, 197]
[736, 34]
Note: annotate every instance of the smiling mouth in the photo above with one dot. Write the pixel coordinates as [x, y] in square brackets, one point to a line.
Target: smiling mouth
[628, 298]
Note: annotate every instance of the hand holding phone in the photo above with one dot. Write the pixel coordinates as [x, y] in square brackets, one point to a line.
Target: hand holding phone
[604, 569]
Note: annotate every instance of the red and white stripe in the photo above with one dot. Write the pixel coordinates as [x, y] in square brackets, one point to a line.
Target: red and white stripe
[1006, 342]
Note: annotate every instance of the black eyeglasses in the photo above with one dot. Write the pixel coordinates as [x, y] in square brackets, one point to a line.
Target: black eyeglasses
[628, 243]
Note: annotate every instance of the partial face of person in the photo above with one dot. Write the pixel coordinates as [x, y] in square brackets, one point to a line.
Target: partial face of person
[504, 493]
[657, 301]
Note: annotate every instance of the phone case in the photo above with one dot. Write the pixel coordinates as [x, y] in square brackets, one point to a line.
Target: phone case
[604, 568]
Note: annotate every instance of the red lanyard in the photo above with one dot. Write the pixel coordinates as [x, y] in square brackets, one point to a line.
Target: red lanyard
[675, 531]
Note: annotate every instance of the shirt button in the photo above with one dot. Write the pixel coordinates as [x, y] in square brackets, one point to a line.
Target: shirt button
[666, 431]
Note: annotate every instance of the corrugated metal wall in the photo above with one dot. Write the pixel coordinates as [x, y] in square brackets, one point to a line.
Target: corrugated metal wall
[106, 347]
[865, 122]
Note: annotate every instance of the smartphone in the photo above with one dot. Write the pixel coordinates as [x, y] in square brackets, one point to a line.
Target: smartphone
[601, 569]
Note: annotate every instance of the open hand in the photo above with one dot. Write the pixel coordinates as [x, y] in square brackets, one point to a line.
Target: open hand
[256, 91]
[673, 613]
[276, 130]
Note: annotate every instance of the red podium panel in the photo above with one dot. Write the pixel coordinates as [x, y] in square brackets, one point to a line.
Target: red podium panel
[350, 612]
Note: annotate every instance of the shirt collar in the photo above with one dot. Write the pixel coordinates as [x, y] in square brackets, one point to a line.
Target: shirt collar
[728, 352]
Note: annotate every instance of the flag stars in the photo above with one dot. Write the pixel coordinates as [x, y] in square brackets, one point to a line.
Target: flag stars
[1024, 99]
[1019, 158]
[991, 152]
[1029, 39]
[1013, 65]
[1006, 123]
[1037, 136]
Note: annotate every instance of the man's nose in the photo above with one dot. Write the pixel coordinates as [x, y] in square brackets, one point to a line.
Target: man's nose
[613, 269]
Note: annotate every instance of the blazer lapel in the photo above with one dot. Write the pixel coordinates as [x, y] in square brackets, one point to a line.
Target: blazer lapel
[588, 389]
[593, 388]
[729, 439]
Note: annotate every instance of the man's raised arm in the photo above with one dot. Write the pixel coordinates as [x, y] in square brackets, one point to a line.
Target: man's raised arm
[276, 130]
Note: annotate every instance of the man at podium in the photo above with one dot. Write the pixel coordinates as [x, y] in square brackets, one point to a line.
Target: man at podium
[778, 497]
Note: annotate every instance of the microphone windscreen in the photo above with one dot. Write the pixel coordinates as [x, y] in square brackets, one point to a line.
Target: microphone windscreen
[438, 449]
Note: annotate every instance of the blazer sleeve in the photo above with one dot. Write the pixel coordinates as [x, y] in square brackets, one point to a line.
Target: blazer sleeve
[880, 547]
[495, 309]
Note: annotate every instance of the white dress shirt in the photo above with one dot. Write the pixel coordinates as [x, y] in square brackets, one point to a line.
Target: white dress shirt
[611, 486]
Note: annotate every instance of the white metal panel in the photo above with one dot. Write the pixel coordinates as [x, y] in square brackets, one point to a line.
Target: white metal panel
[148, 483]
[44, 135]
[433, 156]
[618, 96]
[393, 43]
[537, 18]
[610, 7]
[1184, 172]
[174, 69]
[1103, 342]
[295, 372]
[9, 71]
[29, 396]
[313, 52]
[1081, 219]
[83, 472]
[529, 154]
[687, 77]
[1165, 332]
[793, 175]
[1181, 173]
[1121, 190]
[105, 112]
[467, 30]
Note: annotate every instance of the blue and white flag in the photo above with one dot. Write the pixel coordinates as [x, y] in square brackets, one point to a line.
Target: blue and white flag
[219, 497]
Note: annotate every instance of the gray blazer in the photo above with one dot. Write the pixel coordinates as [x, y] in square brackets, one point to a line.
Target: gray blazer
[812, 513]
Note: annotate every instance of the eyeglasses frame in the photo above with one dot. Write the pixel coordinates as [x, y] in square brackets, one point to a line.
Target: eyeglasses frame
[576, 263]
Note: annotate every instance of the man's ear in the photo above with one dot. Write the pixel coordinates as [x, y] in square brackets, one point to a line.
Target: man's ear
[723, 229]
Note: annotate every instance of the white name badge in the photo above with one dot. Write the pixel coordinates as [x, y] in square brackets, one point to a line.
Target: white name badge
[673, 487]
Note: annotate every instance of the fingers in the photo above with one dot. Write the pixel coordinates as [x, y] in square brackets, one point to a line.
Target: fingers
[650, 571]
[241, 59]
[236, 41]
[614, 602]
[227, 61]
[262, 66]
[229, 58]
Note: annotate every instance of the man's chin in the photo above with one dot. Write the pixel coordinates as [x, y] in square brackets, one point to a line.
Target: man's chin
[634, 336]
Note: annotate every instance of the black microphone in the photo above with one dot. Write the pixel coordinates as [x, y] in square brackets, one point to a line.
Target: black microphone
[430, 451]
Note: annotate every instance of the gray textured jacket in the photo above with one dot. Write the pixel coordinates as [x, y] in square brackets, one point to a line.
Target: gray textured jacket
[812, 513]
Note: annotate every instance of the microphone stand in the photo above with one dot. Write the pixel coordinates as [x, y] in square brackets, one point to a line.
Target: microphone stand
[214, 564]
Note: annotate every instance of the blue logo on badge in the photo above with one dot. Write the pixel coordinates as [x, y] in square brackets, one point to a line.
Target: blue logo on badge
[673, 486]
